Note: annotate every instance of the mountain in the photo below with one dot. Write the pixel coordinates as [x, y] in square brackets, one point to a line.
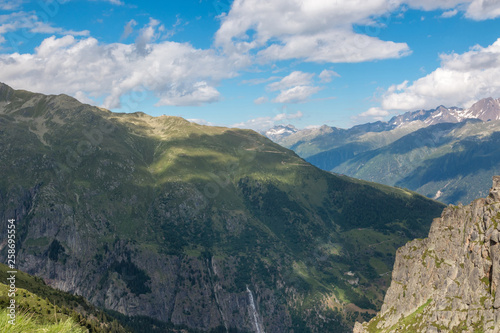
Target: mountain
[312, 143]
[450, 162]
[487, 109]
[198, 227]
[277, 133]
[448, 154]
[449, 281]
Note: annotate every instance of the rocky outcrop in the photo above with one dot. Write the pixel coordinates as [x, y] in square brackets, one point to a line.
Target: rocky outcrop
[450, 280]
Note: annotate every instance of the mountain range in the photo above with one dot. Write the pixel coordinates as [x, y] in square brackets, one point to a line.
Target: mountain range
[448, 154]
[197, 227]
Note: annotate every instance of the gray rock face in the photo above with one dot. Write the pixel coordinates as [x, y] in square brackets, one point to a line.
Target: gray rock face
[193, 291]
[450, 280]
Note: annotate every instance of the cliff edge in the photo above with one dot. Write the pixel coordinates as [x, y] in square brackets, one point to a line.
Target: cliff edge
[449, 281]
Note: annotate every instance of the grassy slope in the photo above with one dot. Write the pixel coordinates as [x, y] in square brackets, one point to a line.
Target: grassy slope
[25, 322]
[41, 308]
[312, 225]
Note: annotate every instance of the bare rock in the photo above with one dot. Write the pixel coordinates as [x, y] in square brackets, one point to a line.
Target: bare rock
[450, 280]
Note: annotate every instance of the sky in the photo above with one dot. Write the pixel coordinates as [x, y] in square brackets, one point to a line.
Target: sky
[255, 63]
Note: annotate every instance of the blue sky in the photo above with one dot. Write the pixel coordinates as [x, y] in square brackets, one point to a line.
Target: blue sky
[256, 63]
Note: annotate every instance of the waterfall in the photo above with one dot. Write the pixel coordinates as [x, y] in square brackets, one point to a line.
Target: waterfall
[255, 314]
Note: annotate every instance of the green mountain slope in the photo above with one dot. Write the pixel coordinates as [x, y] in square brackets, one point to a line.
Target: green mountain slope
[211, 228]
[449, 162]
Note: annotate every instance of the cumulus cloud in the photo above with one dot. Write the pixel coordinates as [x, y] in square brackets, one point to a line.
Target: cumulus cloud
[148, 34]
[201, 122]
[19, 26]
[296, 78]
[314, 30]
[433, 4]
[449, 13]
[461, 80]
[11, 4]
[322, 31]
[326, 75]
[177, 73]
[374, 113]
[483, 9]
[473, 9]
[294, 88]
[128, 29]
[264, 123]
[297, 94]
[261, 100]
[254, 82]
[371, 115]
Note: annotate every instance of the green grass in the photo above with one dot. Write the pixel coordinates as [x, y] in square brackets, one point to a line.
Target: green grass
[48, 306]
[410, 323]
[28, 322]
[35, 314]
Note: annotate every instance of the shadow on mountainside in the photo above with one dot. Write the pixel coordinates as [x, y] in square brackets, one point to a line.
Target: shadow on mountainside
[468, 157]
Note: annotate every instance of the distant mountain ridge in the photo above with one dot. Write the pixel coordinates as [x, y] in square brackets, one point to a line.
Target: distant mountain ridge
[420, 150]
[487, 109]
[280, 131]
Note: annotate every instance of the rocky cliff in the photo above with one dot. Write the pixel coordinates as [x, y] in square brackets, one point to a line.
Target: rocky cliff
[448, 282]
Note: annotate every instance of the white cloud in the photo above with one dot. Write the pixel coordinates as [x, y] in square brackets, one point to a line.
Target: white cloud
[297, 94]
[375, 112]
[264, 123]
[201, 122]
[449, 13]
[296, 78]
[314, 30]
[11, 4]
[334, 46]
[294, 88]
[148, 34]
[177, 73]
[474, 9]
[254, 82]
[261, 100]
[175, 27]
[322, 31]
[327, 75]
[195, 94]
[434, 4]
[483, 9]
[128, 29]
[461, 80]
[371, 115]
[20, 26]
